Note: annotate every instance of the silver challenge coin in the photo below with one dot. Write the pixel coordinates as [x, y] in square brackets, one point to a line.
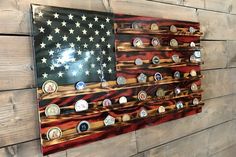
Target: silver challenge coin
[136, 25]
[138, 61]
[174, 43]
[158, 76]
[50, 86]
[194, 59]
[155, 60]
[142, 78]
[81, 105]
[123, 100]
[179, 105]
[121, 80]
[193, 73]
[177, 75]
[197, 54]
[173, 28]
[54, 133]
[143, 113]
[142, 95]
[192, 30]
[160, 93]
[52, 110]
[137, 42]
[177, 91]
[192, 44]
[195, 101]
[154, 27]
[176, 59]
[194, 87]
[106, 103]
[161, 109]
[155, 42]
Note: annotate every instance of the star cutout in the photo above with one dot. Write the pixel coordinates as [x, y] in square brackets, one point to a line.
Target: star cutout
[44, 60]
[98, 58]
[71, 31]
[64, 38]
[96, 32]
[70, 17]
[92, 52]
[83, 18]
[57, 30]
[109, 71]
[77, 24]
[52, 67]
[50, 37]
[90, 25]
[108, 45]
[85, 45]
[45, 75]
[72, 45]
[78, 38]
[96, 19]
[74, 73]
[80, 66]
[41, 29]
[84, 31]
[51, 52]
[103, 52]
[58, 45]
[87, 72]
[102, 39]
[102, 26]
[42, 45]
[91, 38]
[99, 71]
[92, 65]
[60, 74]
[104, 65]
[108, 33]
[40, 14]
[56, 15]
[109, 58]
[79, 52]
[67, 67]
[107, 19]
[63, 23]
[97, 45]
[49, 22]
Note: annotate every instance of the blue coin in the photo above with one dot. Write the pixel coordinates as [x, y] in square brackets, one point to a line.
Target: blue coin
[80, 85]
[158, 76]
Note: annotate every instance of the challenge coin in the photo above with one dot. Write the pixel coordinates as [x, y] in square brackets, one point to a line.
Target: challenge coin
[161, 109]
[83, 126]
[81, 105]
[179, 105]
[138, 61]
[49, 86]
[137, 42]
[109, 120]
[192, 44]
[195, 101]
[176, 59]
[173, 28]
[192, 30]
[160, 93]
[155, 60]
[194, 87]
[123, 100]
[155, 42]
[194, 59]
[52, 110]
[177, 91]
[125, 118]
[142, 78]
[154, 27]
[80, 85]
[177, 75]
[193, 73]
[197, 54]
[121, 80]
[158, 76]
[143, 113]
[54, 133]
[174, 43]
[142, 95]
[136, 25]
[106, 103]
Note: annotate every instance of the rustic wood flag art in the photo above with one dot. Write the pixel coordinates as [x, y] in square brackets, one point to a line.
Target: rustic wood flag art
[102, 74]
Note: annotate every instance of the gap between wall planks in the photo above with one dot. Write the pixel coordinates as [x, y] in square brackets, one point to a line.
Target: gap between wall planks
[220, 29]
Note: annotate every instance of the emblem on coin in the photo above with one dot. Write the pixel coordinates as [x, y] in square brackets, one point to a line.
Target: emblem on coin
[143, 113]
[121, 80]
[161, 109]
[176, 59]
[160, 92]
[54, 133]
[197, 54]
[80, 85]
[195, 101]
[125, 118]
[192, 44]
[154, 27]
[177, 75]
[155, 60]
[194, 87]
[138, 61]
[174, 43]
[177, 91]
[106, 102]
[81, 105]
[193, 73]
[123, 100]
[83, 126]
[52, 110]
[137, 42]
[49, 86]
[155, 42]
[179, 105]
[136, 25]
[192, 30]
[158, 76]
[109, 120]
[173, 29]
[142, 78]
[142, 95]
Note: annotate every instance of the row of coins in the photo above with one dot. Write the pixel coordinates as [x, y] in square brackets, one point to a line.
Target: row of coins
[155, 27]
[82, 105]
[155, 42]
[55, 132]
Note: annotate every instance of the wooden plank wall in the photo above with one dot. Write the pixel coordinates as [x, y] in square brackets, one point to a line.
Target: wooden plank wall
[208, 134]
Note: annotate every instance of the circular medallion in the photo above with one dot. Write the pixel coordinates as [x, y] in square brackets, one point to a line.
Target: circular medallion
[176, 59]
[177, 75]
[179, 105]
[80, 85]
[49, 86]
[192, 44]
[52, 110]
[174, 43]
[143, 113]
[155, 42]
[194, 59]
[123, 100]
[195, 101]
[177, 91]
[192, 30]
[197, 54]
[160, 92]
[194, 87]
[154, 27]
[173, 28]
[106, 103]
[142, 95]
[142, 78]
[81, 105]
[104, 84]
[193, 73]
[158, 76]
[161, 109]
[54, 133]
[125, 118]
[138, 61]
[83, 126]
[155, 60]
[121, 80]
[136, 25]
[137, 42]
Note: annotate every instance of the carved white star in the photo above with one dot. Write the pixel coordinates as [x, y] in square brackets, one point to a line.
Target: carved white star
[103, 52]
[78, 38]
[42, 45]
[109, 71]
[85, 45]
[108, 45]
[56, 15]
[92, 52]
[41, 29]
[83, 18]
[57, 30]
[74, 73]
[52, 67]
[71, 31]
[51, 52]
[84, 31]
[98, 58]
[40, 14]
[60, 74]
[64, 38]
[91, 38]
[109, 58]
[70, 17]
[49, 22]
[97, 45]
[90, 25]
[99, 71]
[44, 60]
[79, 52]
[102, 26]
[92, 65]
[72, 45]
[63, 23]
[107, 19]
[104, 65]
[80, 66]
[96, 19]
[96, 32]
[50, 37]
[45, 75]
[67, 67]
[87, 72]
[58, 45]
[77, 24]
[108, 33]
[102, 39]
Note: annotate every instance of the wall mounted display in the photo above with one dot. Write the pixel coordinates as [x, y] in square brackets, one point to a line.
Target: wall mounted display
[102, 74]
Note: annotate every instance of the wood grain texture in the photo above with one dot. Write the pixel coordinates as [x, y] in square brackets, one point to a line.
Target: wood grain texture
[228, 152]
[218, 5]
[231, 57]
